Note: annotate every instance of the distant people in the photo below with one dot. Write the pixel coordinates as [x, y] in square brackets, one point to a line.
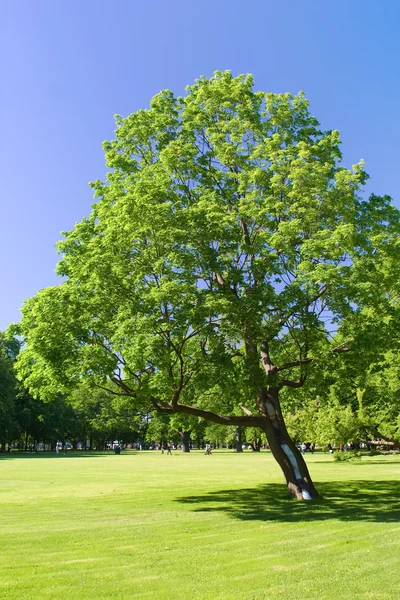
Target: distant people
[312, 448]
[208, 449]
[162, 448]
[169, 449]
[303, 448]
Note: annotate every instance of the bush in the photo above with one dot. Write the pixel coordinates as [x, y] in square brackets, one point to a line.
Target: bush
[340, 456]
[374, 453]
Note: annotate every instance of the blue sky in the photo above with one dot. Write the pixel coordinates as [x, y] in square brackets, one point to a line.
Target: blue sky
[68, 66]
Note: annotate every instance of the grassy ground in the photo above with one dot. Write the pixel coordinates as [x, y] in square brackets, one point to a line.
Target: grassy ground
[191, 527]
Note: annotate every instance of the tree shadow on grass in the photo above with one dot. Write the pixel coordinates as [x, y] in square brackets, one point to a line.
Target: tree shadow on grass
[374, 501]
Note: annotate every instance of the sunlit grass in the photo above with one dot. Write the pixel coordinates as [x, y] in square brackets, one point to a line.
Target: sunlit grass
[192, 527]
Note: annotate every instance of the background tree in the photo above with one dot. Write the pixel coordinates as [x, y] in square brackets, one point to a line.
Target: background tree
[225, 241]
[219, 435]
[8, 389]
[103, 417]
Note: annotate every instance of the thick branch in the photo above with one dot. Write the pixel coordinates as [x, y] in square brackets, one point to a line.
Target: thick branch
[391, 440]
[269, 367]
[246, 411]
[293, 384]
[295, 363]
[342, 347]
[222, 283]
[250, 346]
[245, 421]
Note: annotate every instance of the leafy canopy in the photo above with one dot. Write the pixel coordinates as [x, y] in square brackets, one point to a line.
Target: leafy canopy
[226, 220]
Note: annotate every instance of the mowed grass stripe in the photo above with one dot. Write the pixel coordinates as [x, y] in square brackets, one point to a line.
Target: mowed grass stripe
[191, 526]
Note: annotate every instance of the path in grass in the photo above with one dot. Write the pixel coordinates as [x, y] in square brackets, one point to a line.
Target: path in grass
[191, 527]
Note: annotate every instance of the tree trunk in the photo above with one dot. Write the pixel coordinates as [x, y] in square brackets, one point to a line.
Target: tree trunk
[185, 440]
[239, 439]
[285, 452]
[256, 445]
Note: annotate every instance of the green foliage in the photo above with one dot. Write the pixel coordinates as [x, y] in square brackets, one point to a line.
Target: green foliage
[84, 414]
[8, 389]
[350, 455]
[103, 416]
[325, 423]
[226, 220]
[374, 453]
[219, 434]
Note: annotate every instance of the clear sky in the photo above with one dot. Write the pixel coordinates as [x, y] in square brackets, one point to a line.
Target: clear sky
[67, 66]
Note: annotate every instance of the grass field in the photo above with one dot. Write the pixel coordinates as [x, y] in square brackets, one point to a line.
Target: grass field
[194, 527]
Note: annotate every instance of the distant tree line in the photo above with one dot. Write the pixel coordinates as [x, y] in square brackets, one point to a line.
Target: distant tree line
[335, 410]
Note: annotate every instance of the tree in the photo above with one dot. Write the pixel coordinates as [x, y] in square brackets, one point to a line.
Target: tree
[103, 417]
[8, 389]
[224, 243]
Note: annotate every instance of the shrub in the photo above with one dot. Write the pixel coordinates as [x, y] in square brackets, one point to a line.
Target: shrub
[340, 456]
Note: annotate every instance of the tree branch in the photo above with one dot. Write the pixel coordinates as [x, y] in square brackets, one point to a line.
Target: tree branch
[391, 440]
[110, 391]
[246, 411]
[317, 296]
[295, 363]
[222, 284]
[245, 421]
[120, 383]
[269, 367]
[293, 384]
[342, 347]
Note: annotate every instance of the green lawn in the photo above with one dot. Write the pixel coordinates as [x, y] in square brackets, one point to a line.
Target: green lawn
[191, 527]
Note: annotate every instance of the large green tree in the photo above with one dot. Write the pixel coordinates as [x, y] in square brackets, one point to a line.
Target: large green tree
[224, 243]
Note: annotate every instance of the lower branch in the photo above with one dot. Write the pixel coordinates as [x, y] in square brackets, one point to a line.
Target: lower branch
[377, 433]
[243, 421]
[293, 384]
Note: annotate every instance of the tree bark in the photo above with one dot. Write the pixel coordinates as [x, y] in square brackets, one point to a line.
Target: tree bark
[285, 452]
[239, 439]
[256, 445]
